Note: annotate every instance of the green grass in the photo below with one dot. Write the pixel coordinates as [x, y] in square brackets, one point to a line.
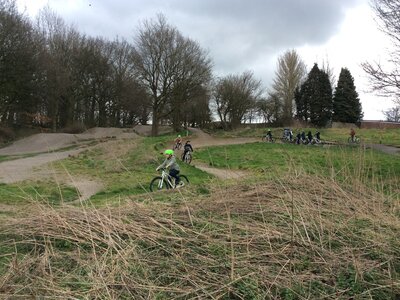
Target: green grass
[308, 222]
[23, 193]
[14, 157]
[129, 174]
[276, 160]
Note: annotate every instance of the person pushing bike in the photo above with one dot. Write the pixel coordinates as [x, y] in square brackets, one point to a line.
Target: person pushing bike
[171, 164]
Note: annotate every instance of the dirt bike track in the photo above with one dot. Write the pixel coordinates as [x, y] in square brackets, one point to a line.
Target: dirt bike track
[48, 148]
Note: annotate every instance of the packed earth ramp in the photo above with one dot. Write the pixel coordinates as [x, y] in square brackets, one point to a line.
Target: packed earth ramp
[48, 148]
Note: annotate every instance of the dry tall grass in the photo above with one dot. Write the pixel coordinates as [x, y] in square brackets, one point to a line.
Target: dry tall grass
[296, 238]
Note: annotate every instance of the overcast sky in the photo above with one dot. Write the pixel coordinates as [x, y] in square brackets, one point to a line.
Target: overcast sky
[243, 35]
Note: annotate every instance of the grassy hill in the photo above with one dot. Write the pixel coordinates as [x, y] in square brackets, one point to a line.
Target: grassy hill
[305, 223]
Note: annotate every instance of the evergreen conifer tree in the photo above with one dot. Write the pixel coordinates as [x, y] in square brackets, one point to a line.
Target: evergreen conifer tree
[346, 104]
[314, 100]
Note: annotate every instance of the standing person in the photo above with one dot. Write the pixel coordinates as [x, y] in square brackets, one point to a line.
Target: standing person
[352, 134]
[186, 148]
[170, 162]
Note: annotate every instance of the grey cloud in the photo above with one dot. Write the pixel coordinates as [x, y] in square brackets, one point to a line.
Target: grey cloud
[280, 22]
[238, 34]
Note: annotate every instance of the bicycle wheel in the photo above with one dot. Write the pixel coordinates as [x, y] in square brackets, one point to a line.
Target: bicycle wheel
[184, 179]
[158, 184]
[350, 140]
[357, 140]
[188, 158]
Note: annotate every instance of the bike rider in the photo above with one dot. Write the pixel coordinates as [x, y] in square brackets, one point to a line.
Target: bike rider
[269, 134]
[303, 137]
[317, 136]
[186, 148]
[178, 142]
[352, 134]
[170, 162]
[298, 138]
[309, 137]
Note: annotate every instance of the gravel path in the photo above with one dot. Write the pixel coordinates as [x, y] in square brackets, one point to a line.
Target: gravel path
[384, 148]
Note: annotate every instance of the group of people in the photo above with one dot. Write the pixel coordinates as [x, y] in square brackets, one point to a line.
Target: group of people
[171, 163]
[301, 137]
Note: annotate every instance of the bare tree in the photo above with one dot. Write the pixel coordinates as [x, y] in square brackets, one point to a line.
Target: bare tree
[393, 114]
[168, 65]
[60, 43]
[234, 96]
[329, 71]
[385, 78]
[131, 103]
[270, 109]
[290, 73]
[20, 73]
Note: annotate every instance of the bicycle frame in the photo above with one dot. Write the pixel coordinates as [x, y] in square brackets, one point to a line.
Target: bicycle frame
[165, 176]
[166, 181]
[187, 154]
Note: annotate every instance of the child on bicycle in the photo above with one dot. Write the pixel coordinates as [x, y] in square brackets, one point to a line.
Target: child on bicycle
[178, 142]
[298, 138]
[186, 148]
[170, 162]
[269, 135]
[309, 137]
[317, 137]
[303, 137]
[352, 134]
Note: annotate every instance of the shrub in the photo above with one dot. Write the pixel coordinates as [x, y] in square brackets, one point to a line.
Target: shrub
[6, 134]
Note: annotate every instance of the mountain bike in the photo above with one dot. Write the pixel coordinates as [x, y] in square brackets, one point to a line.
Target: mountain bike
[187, 158]
[355, 140]
[166, 182]
[267, 139]
[177, 146]
[315, 141]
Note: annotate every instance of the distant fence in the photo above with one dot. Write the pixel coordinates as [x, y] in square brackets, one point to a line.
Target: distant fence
[379, 124]
[343, 125]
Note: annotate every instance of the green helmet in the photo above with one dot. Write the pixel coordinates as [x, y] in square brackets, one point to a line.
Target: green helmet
[169, 152]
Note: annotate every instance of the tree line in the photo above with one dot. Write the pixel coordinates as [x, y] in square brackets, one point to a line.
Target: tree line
[52, 75]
